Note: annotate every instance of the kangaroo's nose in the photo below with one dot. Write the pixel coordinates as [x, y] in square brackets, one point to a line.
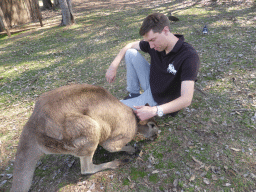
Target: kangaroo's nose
[154, 136]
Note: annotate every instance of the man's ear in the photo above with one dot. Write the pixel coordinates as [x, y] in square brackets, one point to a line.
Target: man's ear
[166, 30]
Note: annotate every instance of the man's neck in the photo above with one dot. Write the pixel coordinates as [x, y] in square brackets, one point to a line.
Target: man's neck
[172, 42]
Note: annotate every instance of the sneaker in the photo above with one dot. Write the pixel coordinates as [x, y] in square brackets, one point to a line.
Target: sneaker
[131, 95]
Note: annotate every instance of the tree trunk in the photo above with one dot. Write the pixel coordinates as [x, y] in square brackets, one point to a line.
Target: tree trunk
[16, 12]
[56, 3]
[67, 13]
[47, 4]
[38, 12]
[3, 24]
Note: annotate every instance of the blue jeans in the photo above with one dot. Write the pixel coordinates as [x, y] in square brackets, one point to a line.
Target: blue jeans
[138, 77]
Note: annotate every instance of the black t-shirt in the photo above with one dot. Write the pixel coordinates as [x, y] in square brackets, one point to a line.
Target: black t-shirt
[167, 71]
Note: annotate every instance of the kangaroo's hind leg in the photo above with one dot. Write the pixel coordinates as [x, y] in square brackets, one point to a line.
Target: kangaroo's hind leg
[87, 166]
[84, 134]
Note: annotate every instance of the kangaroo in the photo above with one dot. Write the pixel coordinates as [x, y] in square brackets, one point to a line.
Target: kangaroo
[75, 119]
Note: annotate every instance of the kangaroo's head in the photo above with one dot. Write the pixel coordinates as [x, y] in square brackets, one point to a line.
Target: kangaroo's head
[148, 128]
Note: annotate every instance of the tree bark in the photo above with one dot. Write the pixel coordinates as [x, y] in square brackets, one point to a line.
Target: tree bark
[67, 13]
[15, 12]
[38, 12]
[56, 3]
[18, 12]
[3, 23]
[47, 4]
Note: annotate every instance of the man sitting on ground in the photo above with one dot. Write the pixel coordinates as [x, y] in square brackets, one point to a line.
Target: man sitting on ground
[168, 82]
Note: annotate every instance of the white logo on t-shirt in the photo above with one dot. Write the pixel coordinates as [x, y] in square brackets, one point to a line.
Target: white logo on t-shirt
[171, 69]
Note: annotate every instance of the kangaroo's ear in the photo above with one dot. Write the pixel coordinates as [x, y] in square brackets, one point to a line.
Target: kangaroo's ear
[147, 104]
[143, 122]
[151, 124]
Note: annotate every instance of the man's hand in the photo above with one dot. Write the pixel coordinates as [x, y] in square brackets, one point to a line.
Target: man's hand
[111, 74]
[145, 112]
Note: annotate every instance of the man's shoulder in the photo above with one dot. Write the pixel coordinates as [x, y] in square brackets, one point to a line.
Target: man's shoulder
[144, 46]
[186, 51]
[188, 48]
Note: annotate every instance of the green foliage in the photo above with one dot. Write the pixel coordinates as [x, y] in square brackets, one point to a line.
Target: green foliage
[137, 173]
[126, 181]
[153, 178]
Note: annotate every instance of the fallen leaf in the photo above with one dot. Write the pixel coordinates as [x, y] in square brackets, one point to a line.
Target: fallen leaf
[207, 168]
[215, 169]
[175, 182]
[152, 160]
[192, 178]
[3, 182]
[231, 172]
[201, 166]
[227, 185]
[197, 161]
[214, 177]
[234, 149]
[206, 181]
[132, 185]
[253, 176]
[139, 158]
[203, 174]
[92, 186]
[213, 121]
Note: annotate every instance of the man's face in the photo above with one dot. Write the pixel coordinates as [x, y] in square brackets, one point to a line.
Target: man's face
[156, 41]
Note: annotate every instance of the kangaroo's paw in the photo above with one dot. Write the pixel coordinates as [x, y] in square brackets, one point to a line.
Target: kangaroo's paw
[96, 168]
[129, 149]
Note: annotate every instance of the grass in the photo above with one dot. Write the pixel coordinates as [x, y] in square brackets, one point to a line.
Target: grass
[218, 129]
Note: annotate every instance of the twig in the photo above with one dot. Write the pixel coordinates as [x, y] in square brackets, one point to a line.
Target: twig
[199, 90]
[240, 110]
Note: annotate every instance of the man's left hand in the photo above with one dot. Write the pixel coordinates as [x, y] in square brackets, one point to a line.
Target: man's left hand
[145, 112]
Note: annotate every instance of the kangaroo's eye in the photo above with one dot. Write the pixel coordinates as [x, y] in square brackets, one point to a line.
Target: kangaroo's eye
[151, 124]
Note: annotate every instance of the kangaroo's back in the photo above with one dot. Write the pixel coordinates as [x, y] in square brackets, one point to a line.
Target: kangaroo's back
[81, 99]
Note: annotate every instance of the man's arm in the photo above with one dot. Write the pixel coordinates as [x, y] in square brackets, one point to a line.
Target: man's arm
[111, 72]
[187, 92]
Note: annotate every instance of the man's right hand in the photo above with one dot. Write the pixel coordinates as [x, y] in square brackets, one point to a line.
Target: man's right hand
[111, 74]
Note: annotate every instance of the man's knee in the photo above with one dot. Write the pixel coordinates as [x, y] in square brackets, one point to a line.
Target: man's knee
[130, 53]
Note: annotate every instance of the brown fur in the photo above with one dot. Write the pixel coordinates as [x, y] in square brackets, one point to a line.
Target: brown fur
[74, 120]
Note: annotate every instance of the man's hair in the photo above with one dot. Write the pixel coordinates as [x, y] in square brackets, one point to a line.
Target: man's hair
[156, 22]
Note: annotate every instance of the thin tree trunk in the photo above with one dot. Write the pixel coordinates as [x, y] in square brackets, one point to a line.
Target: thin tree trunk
[47, 4]
[5, 24]
[67, 13]
[38, 12]
[56, 3]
